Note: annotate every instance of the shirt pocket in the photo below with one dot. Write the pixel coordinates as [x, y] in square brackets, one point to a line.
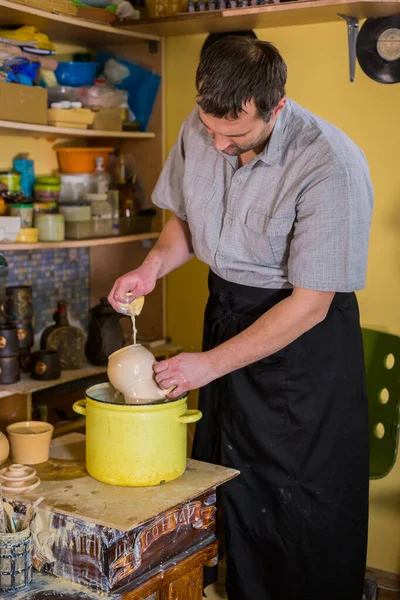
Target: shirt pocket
[269, 237]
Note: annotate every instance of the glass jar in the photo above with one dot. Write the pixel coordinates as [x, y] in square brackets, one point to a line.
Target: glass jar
[24, 212]
[51, 228]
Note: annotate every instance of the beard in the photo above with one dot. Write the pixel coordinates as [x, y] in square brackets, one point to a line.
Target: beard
[257, 145]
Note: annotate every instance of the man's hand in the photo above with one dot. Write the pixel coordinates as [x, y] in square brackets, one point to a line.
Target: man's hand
[187, 371]
[139, 282]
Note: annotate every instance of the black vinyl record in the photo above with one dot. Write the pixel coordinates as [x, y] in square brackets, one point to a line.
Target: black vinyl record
[378, 49]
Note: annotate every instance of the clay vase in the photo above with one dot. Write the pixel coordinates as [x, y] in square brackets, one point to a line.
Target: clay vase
[130, 370]
[4, 448]
[30, 441]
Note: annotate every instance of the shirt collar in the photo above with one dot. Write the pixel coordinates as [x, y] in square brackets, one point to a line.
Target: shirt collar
[273, 151]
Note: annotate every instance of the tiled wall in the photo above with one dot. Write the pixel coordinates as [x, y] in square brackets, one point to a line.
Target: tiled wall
[59, 274]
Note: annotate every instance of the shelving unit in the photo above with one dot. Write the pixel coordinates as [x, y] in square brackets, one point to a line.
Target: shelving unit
[109, 257]
[63, 28]
[47, 131]
[123, 239]
[301, 12]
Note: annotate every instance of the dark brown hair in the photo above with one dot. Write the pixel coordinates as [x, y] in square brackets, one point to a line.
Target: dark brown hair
[234, 71]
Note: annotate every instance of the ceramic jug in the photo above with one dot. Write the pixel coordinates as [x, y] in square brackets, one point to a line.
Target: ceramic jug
[105, 334]
[130, 370]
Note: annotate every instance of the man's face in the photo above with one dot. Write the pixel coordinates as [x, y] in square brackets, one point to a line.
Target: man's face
[237, 136]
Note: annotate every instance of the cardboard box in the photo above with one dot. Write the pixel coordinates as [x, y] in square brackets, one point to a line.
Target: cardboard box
[108, 119]
[23, 103]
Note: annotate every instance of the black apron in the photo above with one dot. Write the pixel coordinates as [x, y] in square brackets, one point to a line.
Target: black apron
[296, 426]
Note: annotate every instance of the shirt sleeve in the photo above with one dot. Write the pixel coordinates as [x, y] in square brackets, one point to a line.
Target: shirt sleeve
[329, 248]
[168, 193]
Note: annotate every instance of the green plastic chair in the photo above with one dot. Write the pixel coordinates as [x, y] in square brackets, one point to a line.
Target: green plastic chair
[382, 361]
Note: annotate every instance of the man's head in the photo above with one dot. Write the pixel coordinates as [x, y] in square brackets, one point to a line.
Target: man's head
[240, 91]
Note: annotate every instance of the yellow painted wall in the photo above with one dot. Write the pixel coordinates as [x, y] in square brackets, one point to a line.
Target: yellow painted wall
[369, 113]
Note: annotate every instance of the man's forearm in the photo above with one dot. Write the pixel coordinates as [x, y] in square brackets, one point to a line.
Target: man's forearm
[276, 329]
[173, 248]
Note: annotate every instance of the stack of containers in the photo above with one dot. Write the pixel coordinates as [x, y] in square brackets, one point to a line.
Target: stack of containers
[49, 223]
[84, 192]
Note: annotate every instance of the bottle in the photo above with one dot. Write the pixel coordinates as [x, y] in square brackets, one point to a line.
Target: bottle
[102, 178]
[67, 340]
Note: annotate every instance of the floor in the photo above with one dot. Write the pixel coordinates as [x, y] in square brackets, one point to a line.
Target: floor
[217, 591]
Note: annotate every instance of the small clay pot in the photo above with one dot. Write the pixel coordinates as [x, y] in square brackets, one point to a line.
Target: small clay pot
[25, 335]
[17, 306]
[9, 369]
[4, 448]
[8, 341]
[30, 441]
[45, 365]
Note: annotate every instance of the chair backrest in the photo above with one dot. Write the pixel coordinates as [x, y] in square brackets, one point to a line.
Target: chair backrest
[382, 361]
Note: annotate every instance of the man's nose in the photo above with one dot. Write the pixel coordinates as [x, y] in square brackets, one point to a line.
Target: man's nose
[221, 142]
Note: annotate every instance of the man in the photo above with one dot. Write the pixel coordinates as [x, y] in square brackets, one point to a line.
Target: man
[278, 203]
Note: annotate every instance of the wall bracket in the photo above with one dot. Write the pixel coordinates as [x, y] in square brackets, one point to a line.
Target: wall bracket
[352, 33]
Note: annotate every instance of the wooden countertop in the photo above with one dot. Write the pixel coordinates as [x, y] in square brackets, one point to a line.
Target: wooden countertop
[69, 490]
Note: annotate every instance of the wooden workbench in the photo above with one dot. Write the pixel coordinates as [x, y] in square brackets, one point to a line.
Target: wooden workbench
[124, 542]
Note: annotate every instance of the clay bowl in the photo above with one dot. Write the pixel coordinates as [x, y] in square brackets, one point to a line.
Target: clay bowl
[30, 441]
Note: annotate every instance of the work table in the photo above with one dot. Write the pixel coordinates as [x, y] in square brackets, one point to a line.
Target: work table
[115, 540]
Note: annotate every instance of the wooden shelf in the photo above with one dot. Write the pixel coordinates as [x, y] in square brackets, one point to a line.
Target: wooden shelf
[62, 28]
[271, 15]
[26, 385]
[123, 239]
[24, 129]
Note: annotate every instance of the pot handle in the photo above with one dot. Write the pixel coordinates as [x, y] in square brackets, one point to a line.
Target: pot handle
[80, 407]
[190, 416]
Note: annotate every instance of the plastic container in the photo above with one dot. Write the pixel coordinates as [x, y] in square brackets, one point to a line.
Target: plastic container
[53, 181]
[44, 193]
[79, 118]
[75, 212]
[44, 208]
[47, 189]
[81, 160]
[99, 206]
[26, 168]
[75, 186]
[12, 179]
[28, 235]
[51, 228]
[76, 74]
[78, 230]
[60, 93]
[24, 212]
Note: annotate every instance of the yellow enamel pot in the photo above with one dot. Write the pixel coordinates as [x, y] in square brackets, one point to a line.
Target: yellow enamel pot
[135, 444]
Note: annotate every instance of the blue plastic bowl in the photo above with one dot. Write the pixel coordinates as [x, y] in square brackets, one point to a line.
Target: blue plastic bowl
[76, 74]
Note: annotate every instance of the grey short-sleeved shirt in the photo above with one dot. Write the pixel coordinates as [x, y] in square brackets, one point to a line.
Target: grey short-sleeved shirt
[299, 214]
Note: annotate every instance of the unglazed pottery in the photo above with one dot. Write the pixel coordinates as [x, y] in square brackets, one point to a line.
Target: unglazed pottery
[4, 448]
[18, 478]
[30, 441]
[130, 370]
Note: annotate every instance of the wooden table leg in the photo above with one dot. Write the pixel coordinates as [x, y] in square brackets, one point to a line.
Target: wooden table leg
[188, 587]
